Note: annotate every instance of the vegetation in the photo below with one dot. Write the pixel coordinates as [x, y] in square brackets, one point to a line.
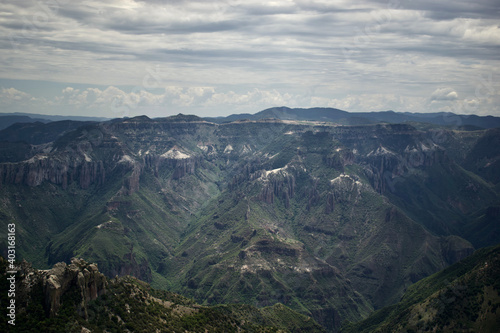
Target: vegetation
[463, 297]
[332, 221]
[130, 305]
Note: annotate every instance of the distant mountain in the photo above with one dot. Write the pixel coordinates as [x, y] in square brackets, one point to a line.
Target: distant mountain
[39, 117]
[332, 221]
[7, 119]
[36, 133]
[462, 298]
[364, 118]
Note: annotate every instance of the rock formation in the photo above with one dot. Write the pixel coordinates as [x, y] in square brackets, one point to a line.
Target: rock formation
[81, 276]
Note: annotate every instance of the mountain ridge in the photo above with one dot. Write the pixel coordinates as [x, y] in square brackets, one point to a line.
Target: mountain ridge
[464, 296]
[356, 118]
[312, 114]
[330, 220]
[78, 298]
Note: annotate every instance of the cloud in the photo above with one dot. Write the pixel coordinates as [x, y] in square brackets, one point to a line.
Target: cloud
[12, 95]
[115, 102]
[389, 53]
[444, 94]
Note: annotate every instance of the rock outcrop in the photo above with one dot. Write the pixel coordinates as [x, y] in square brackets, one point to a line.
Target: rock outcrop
[79, 276]
[280, 186]
[385, 167]
[58, 280]
[36, 170]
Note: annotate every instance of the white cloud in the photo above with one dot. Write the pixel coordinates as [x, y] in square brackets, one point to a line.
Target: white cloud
[115, 102]
[444, 94]
[12, 95]
[251, 54]
[69, 91]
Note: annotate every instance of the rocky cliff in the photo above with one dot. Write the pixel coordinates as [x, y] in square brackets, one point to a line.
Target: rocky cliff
[332, 220]
[77, 298]
[80, 278]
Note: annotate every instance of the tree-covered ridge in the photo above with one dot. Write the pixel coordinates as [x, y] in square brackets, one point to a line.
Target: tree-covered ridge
[464, 297]
[126, 304]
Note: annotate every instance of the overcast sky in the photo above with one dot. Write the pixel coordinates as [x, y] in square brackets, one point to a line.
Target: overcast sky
[126, 58]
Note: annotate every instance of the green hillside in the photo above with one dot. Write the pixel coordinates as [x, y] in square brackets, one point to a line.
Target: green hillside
[332, 221]
[126, 304]
[462, 298]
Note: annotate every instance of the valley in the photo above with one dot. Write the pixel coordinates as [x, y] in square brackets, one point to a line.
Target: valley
[333, 221]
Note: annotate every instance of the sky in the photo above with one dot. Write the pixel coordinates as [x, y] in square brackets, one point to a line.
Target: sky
[216, 58]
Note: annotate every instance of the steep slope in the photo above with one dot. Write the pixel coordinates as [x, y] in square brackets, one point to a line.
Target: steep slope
[78, 298]
[333, 221]
[310, 215]
[462, 298]
[442, 196]
[483, 157]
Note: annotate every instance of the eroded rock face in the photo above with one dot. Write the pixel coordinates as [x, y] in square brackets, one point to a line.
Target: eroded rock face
[56, 282]
[129, 266]
[35, 171]
[281, 185]
[384, 167]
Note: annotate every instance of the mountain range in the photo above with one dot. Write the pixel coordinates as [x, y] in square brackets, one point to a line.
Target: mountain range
[334, 215]
[447, 119]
